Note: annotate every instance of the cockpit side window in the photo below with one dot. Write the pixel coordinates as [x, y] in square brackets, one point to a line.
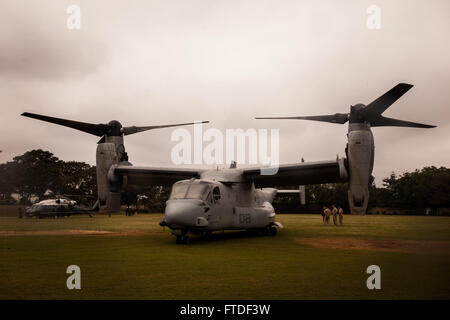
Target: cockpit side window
[216, 194]
[209, 198]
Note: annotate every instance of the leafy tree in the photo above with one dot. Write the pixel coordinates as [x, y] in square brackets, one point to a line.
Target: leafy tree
[77, 178]
[32, 173]
[429, 187]
[36, 171]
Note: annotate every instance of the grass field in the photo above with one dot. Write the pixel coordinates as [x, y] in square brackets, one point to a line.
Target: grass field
[306, 260]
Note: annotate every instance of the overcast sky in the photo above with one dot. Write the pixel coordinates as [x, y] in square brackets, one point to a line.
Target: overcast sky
[168, 61]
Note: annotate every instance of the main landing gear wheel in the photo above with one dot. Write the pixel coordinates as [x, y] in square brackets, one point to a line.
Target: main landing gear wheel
[182, 239]
[207, 235]
[272, 231]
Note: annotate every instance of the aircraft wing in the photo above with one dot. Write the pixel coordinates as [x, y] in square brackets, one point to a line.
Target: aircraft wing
[150, 176]
[299, 174]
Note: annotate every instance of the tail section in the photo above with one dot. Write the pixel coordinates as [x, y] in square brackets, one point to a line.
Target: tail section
[301, 193]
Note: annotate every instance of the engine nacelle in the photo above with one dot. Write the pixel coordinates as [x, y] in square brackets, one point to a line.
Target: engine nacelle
[105, 157]
[360, 157]
[110, 152]
[108, 185]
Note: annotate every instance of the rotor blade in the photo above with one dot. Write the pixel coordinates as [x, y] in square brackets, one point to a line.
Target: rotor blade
[333, 118]
[95, 129]
[383, 121]
[102, 140]
[379, 105]
[134, 129]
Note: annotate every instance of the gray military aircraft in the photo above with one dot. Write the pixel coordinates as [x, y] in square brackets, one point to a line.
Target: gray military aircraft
[203, 201]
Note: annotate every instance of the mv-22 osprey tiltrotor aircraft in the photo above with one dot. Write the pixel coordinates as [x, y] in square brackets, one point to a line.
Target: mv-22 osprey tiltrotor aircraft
[203, 201]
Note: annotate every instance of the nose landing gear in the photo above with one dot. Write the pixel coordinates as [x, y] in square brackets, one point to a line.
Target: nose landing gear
[270, 230]
[182, 239]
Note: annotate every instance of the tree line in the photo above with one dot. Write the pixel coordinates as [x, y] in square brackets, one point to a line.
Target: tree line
[428, 187]
[38, 174]
[31, 175]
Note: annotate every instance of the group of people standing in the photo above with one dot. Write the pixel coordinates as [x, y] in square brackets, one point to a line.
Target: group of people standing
[335, 212]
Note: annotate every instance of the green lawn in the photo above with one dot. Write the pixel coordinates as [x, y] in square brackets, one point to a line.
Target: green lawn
[231, 265]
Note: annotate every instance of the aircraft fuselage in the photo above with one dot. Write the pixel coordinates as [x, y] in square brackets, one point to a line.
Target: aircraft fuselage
[205, 205]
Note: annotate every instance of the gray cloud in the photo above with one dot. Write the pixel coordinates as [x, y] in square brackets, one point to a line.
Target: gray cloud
[36, 44]
[155, 62]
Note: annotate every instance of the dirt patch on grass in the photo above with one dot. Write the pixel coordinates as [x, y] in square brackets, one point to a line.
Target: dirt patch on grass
[408, 246]
[68, 233]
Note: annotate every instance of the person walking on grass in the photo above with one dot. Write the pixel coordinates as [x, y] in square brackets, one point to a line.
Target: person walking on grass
[341, 215]
[334, 212]
[323, 214]
[327, 213]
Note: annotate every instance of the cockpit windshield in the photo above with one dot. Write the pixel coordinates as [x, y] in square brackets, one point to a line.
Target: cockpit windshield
[179, 191]
[190, 190]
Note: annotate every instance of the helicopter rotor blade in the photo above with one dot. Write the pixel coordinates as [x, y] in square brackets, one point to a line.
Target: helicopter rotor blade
[390, 122]
[133, 129]
[379, 105]
[340, 118]
[95, 129]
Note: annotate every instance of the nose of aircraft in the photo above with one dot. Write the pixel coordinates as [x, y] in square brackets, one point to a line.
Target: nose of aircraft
[184, 213]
